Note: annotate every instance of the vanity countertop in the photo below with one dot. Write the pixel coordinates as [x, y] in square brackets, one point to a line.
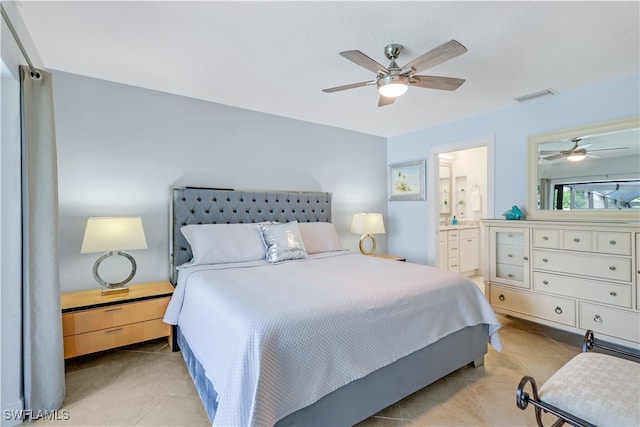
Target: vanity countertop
[457, 227]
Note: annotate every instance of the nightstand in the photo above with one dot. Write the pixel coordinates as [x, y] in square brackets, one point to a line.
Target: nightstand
[93, 322]
[391, 257]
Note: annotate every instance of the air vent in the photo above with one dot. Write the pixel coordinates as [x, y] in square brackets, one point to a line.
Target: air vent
[523, 98]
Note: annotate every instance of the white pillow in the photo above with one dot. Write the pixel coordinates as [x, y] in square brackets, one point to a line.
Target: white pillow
[283, 241]
[319, 237]
[224, 243]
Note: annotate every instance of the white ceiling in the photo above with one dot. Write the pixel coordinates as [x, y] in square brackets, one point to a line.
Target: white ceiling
[276, 57]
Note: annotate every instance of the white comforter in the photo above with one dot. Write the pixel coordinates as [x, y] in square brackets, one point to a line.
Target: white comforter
[274, 338]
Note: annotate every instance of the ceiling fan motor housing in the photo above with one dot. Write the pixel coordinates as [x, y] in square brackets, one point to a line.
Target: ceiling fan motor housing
[392, 51]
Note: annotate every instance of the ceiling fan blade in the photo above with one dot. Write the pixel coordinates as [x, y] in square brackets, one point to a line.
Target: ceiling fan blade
[555, 156]
[385, 100]
[349, 86]
[545, 152]
[438, 55]
[364, 61]
[608, 149]
[433, 82]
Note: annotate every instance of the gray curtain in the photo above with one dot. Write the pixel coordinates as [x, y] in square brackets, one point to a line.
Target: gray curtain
[43, 355]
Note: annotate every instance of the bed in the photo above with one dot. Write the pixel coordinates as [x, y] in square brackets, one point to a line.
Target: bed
[307, 333]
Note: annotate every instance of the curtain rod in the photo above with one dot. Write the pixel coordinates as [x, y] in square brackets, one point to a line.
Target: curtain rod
[34, 73]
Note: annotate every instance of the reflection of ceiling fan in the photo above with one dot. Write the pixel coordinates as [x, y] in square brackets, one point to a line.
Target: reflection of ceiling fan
[575, 153]
[393, 81]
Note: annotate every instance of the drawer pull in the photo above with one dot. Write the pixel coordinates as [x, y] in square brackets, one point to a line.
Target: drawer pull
[613, 293]
[113, 331]
[454, 265]
[612, 267]
[545, 238]
[576, 240]
[501, 297]
[612, 242]
[510, 275]
[526, 258]
[111, 310]
[545, 260]
[558, 310]
[545, 282]
[597, 318]
[510, 256]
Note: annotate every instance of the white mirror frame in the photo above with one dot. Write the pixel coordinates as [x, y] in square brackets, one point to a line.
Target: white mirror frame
[532, 175]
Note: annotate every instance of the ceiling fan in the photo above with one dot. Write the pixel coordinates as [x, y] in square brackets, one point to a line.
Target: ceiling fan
[575, 153]
[393, 81]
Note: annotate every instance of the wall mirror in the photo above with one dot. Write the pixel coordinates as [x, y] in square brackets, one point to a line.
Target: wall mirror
[586, 173]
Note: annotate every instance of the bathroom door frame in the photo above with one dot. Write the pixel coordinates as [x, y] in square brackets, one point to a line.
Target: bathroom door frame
[433, 179]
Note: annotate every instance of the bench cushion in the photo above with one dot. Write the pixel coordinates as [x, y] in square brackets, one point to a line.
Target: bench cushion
[601, 389]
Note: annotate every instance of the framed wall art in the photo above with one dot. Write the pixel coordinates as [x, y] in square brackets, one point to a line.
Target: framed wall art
[407, 181]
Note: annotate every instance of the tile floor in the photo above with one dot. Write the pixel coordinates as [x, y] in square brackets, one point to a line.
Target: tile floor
[147, 385]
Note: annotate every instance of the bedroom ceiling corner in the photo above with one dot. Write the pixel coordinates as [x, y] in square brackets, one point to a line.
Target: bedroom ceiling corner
[276, 57]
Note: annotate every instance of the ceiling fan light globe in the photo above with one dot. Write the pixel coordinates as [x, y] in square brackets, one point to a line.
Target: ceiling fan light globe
[393, 86]
[576, 157]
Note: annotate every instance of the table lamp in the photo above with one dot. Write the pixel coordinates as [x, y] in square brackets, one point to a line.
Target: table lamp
[113, 235]
[367, 224]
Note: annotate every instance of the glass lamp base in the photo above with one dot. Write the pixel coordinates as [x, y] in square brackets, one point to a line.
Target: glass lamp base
[119, 287]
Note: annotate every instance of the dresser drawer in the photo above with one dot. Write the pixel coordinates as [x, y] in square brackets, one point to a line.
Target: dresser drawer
[79, 322]
[453, 264]
[452, 235]
[613, 243]
[77, 345]
[546, 238]
[511, 272]
[510, 238]
[610, 321]
[452, 249]
[577, 240]
[582, 264]
[510, 254]
[469, 233]
[545, 307]
[592, 290]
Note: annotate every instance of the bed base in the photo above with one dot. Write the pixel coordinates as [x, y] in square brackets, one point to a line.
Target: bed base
[523, 398]
[367, 396]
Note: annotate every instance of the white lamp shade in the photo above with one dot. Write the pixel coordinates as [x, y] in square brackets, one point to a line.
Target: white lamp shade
[113, 234]
[367, 223]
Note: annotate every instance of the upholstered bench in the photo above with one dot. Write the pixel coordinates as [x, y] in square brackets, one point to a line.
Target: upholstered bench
[591, 389]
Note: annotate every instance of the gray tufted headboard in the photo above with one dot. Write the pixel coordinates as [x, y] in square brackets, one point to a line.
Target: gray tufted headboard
[190, 205]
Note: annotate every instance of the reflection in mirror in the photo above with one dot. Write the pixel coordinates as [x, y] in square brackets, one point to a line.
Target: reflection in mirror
[599, 171]
[591, 172]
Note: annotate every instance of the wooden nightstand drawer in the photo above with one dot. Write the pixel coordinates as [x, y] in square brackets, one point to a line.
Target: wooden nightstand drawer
[79, 322]
[90, 342]
[94, 322]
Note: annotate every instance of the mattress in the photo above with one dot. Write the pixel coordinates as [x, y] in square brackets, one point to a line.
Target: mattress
[274, 338]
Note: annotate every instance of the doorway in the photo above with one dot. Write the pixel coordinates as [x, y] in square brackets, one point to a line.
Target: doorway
[470, 187]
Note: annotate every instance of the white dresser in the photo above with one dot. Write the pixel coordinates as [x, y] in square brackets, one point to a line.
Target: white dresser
[570, 275]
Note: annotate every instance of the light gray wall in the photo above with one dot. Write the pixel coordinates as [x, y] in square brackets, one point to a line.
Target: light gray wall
[120, 148]
[511, 127]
